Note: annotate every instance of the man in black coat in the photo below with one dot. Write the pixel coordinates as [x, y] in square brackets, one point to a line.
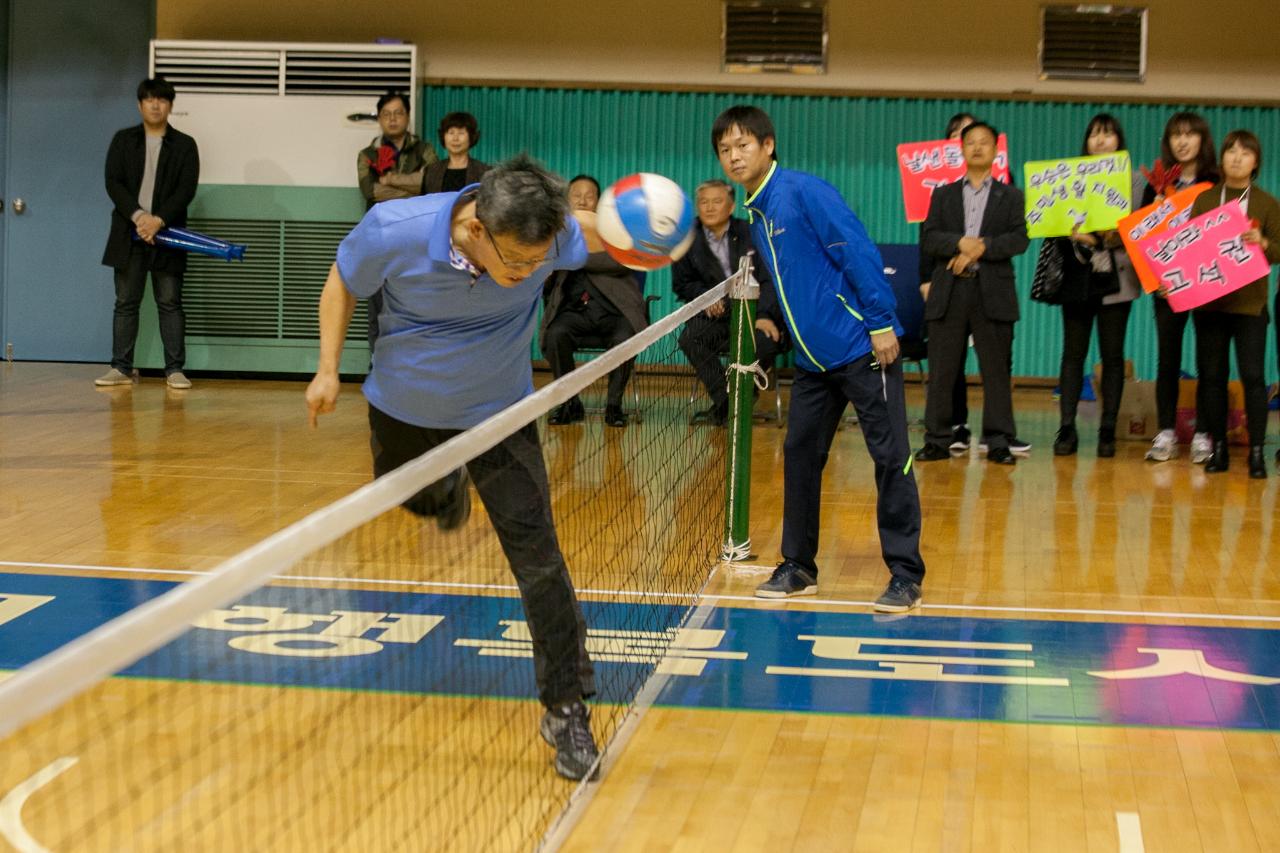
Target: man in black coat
[600, 305]
[719, 243]
[151, 174]
[974, 229]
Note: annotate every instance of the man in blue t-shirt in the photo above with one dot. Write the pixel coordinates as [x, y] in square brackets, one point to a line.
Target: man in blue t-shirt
[839, 310]
[460, 276]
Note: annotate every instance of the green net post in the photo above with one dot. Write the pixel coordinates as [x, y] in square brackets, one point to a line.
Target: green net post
[743, 293]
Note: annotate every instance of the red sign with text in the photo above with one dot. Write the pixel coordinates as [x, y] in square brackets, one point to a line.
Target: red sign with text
[927, 165]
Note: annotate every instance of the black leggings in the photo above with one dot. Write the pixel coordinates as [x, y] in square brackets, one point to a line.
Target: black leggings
[1077, 327]
[1171, 328]
[1214, 333]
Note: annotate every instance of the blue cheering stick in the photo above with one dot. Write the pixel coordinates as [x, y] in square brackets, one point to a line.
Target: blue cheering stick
[200, 244]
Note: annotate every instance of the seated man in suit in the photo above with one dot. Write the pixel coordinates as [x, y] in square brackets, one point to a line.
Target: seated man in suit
[719, 243]
[974, 229]
[601, 304]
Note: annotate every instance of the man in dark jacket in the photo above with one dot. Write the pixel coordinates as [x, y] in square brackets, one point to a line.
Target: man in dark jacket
[719, 243]
[600, 305]
[151, 175]
[839, 311]
[974, 229]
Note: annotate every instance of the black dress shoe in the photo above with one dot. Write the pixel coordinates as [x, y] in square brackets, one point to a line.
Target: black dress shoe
[570, 411]
[717, 415]
[1220, 460]
[614, 416]
[1106, 442]
[1257, 464]
[1001, 456]
[1067, 442]
[932, 453]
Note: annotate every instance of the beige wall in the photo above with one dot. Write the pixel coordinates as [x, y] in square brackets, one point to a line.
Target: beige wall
[875, 45]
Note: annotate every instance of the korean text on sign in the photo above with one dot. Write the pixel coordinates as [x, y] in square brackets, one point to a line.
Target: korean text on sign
[1163, 214]
[1093, 191]
[1205, 259]
[924, 166]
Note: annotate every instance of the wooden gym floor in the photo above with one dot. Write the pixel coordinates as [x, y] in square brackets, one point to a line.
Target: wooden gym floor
[1058, 569]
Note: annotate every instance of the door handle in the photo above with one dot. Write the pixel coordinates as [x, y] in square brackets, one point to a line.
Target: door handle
[19, 206]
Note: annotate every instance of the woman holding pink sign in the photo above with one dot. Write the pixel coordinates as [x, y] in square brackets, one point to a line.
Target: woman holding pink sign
[1186, 156]
[1099, 286]
[1241, 314]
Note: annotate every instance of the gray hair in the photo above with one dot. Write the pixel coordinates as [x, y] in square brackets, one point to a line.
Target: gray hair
[522, 199]
[714, 183]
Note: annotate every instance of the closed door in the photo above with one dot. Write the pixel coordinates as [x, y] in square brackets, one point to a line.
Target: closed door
[73, 68]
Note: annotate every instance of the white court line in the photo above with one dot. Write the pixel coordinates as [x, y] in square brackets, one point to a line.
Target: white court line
[628, 593]
[11, 828]
[1130, 828]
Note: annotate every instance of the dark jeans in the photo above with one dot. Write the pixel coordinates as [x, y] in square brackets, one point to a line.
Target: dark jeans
[948, 346]
[1077, 327]
[1214, 332]
[704, 339]
[511, 479]
[131, 284]
[573, 330]
[1171, 328]
[817, 402]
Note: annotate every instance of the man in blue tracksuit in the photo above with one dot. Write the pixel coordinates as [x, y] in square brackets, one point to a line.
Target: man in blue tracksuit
[839, 310]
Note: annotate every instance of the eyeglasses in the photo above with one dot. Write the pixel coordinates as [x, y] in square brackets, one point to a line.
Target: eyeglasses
[519, 265]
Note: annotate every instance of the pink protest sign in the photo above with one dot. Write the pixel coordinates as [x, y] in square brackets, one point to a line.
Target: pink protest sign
[927, 165]
[1205, 259]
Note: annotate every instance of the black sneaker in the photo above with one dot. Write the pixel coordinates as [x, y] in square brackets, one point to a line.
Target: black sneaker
[1017, 446]
[960, 437]
[455, 513]
[568, 412]
[899, 596]
[568, 729]
[932, 453]
[789, 579]
[614, 416]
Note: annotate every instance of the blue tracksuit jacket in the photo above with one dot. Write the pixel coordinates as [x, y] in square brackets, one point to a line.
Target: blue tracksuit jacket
[827, 273]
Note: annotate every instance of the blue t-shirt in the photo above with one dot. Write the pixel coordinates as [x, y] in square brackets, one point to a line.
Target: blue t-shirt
[450, 353]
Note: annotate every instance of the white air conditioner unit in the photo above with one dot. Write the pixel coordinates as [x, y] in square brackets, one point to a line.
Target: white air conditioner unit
[282, 114]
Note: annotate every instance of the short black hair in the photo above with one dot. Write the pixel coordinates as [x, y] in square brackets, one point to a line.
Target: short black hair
[747, 118]
[156, 87]
[593, 181]
[1107, 122]
[953, 123]
[980, 125]
[1247, 140]
[391, 96]
[466, 121]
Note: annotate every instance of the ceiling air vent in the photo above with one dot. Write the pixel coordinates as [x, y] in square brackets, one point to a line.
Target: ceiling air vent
[775, 36]
[1093, 43]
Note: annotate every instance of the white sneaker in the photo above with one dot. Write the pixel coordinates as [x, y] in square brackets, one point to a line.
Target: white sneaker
[1201, 448]
[113, 377]
[1164, 446]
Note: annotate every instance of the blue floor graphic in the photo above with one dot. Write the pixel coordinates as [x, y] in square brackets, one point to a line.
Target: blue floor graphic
[740, 659]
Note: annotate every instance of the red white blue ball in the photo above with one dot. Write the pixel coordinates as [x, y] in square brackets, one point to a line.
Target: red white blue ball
[645, 221]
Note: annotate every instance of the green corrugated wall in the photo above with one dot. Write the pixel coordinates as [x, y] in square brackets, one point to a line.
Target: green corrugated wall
[848, 141]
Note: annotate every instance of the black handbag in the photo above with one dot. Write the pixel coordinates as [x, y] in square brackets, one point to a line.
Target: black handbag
[1046, 286]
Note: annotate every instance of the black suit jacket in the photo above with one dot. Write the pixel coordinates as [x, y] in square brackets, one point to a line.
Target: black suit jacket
[699, 270]
[1003, 229]
[177, 176]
